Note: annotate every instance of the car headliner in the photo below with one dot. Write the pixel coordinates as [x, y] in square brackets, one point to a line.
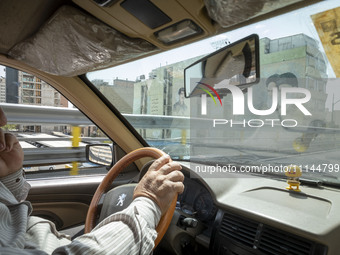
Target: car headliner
[22, 19]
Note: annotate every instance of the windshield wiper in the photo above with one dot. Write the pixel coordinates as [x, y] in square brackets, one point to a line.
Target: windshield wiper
[311, 182]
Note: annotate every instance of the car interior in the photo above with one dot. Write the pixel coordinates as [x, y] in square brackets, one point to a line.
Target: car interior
[68, 43]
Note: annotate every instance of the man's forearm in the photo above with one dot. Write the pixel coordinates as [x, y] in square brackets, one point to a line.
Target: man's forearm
[131, 231]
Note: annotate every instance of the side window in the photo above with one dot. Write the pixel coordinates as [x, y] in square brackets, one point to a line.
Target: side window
[51, 131]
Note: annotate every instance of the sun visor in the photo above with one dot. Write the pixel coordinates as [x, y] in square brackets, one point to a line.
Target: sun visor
[229, 12]
[73, 43]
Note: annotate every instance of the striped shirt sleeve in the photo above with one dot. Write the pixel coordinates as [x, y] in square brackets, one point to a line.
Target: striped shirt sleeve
[131, 231]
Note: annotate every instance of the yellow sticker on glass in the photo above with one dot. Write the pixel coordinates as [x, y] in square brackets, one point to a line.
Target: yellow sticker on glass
[328, 26]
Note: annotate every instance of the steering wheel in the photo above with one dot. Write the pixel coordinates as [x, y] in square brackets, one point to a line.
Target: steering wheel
[109, 178]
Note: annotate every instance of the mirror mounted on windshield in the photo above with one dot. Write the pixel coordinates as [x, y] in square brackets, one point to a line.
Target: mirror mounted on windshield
[236, 64]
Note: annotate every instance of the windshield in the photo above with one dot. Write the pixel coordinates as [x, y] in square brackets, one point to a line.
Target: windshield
[301, 128]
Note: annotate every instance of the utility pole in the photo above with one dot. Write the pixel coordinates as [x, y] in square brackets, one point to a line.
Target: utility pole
[333, 103]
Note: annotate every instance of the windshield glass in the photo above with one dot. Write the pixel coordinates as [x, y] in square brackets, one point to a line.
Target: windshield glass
[299, 49]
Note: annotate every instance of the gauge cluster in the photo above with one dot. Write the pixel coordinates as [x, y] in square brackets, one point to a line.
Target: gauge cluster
[196, 201]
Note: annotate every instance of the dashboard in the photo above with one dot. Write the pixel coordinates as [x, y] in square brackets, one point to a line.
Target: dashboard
[241, 216]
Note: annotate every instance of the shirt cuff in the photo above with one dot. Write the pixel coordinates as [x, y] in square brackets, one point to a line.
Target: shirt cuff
[147, 209]
[15, 181]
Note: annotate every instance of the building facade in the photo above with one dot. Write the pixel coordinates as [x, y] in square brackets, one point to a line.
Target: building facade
[303, 58]
[2, 89]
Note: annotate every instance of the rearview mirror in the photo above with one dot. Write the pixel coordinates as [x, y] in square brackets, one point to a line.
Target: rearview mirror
[236, 64]
[100, 154]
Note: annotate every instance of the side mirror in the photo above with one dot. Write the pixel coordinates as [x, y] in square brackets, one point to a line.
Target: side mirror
[236, 64]
[101, 154]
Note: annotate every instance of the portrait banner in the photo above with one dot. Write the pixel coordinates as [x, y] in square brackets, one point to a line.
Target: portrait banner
[327, 25]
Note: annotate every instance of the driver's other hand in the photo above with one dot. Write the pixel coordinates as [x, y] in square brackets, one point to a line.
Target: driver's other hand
[11, 153]
[161, 183]
[3, 118]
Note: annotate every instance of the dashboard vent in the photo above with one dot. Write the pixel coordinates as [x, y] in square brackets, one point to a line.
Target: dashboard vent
[273, 241]
[239, 229]
[258, 238]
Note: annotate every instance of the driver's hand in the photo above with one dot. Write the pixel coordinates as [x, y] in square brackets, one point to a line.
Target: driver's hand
[11, 153]
[161, 183]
